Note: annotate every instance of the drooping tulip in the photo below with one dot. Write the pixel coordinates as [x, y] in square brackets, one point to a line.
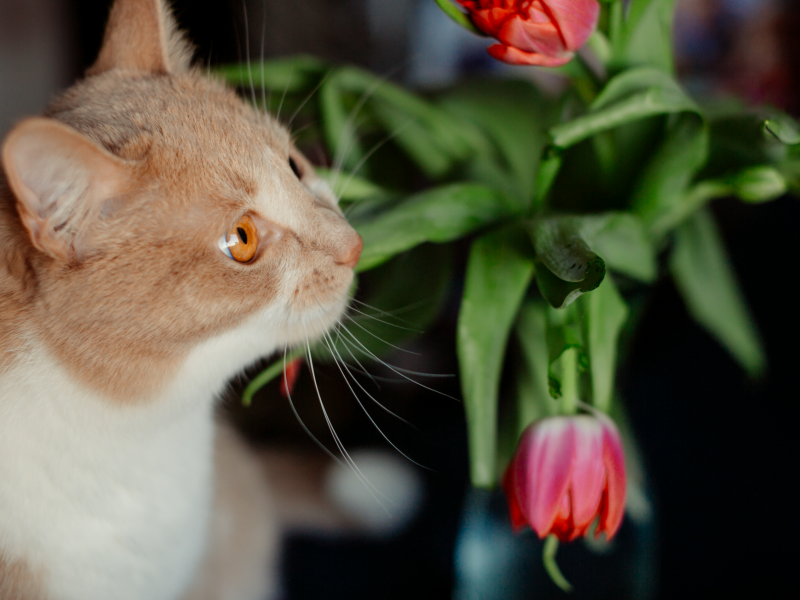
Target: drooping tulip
[290, 374]
[566, 473]
[535, 32]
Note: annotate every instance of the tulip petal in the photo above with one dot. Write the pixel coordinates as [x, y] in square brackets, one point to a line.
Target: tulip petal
[513, 56]
[614, 495]
[518, 520]
[528, 36]
[589, 473]
[575, 19]
[549, 469]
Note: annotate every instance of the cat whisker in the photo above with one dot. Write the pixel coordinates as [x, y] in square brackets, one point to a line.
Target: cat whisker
[396, 370]
[263, 40]
[374, 318]
[365, 158]
[283, 96]
[348, 127]
[306, 100]
[294, 134]
[297, 415]
[341, 364]
[395, 312]
[362, 368]
[247, 52]
[348, 459]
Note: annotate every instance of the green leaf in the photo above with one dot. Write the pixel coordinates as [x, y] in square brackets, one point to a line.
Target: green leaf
[533, 392]
[605, 313]
[288, 75]
[633, 95]
[666, 179]
[754, 185]
[339, 126]
[646, 37]
[624, 243]
[349, 187]
[499, 271]
[419, 127]
[708, 285]
[569, 267]
[439, 215]
[784, 128]
[513, 115]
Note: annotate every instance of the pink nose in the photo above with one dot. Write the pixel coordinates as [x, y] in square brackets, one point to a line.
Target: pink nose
[351, 255]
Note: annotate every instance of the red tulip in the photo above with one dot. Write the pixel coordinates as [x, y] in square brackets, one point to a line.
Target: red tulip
[290, 374]
[567, 472]
[535, 32]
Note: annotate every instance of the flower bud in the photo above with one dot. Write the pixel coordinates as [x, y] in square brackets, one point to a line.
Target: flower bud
[535, 32]
[567, 472]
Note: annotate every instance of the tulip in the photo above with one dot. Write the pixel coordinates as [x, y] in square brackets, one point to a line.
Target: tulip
[567, 472]
[535, 32]
[290, 374]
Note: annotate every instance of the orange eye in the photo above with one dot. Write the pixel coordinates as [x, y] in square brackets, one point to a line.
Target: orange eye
[241, 241]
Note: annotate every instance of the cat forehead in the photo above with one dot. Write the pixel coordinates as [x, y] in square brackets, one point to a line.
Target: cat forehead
[193, 120]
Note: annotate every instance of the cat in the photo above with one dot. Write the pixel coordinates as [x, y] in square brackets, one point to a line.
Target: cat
[157, 235]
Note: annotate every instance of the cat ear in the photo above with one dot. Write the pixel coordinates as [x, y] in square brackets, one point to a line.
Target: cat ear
[142, 35]
[61, 181]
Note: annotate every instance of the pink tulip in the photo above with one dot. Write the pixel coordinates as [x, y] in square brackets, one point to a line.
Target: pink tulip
[567, 472]
[535, 32]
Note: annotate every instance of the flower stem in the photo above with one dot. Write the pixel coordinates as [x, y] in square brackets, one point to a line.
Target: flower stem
[569, 381]
[452, 11]
[268, 375]
[551, 566]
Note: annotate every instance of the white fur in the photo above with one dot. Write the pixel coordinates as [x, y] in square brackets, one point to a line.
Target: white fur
[112, 501]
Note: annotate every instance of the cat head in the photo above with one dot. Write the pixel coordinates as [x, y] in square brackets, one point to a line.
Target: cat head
[155, 211]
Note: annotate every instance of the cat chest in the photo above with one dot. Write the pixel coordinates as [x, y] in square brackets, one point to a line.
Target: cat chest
[104, 506]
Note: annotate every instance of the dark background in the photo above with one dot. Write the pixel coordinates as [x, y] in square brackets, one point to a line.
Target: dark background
[720, 450]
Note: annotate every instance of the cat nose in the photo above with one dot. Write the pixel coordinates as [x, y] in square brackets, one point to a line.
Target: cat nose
[349, 257]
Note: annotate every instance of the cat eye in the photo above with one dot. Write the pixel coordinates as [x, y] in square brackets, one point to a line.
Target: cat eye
[241, 241]
[295, 168]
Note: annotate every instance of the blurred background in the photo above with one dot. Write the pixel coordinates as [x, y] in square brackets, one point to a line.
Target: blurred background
[719, 451]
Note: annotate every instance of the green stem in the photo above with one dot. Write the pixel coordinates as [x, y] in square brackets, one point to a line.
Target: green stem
[452, 11]
[268, 374]
[569, 382]
[615, 24]
[550, 564]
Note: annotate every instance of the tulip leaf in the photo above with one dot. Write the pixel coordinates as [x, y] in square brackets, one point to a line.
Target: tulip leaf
[339, 127]
[662, 187]
[499, 271]
[287, 75]
[754, 185]
[566, 266]
[438, 215]
[708, 285]
[633, 95]
[513, 115]
[422, 129]
[623, 242]
[604, 315]
[534, 401]
[783, 128]
[348, 187]
[646, 37]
